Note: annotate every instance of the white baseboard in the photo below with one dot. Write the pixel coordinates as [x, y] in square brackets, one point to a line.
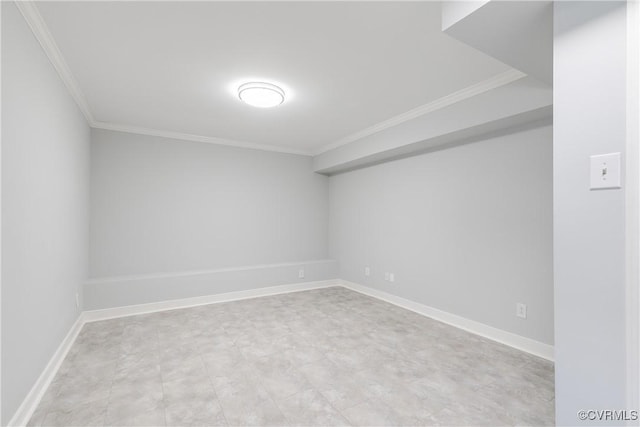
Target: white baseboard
[30, 403]
[131, 310]
[513, 340]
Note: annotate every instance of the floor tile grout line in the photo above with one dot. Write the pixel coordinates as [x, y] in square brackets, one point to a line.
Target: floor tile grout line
[325, 310]
[275, 402]
[336, 409]
[106, 409]
[211, 379]
[313, 387]
[214, 391]
[164, 405]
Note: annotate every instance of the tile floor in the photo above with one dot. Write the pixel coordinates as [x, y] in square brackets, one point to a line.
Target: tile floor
[323, 357]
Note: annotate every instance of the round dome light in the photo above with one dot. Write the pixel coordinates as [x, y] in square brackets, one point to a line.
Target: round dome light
[261, 95]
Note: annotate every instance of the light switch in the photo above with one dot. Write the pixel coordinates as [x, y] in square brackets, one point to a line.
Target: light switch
[605, 171]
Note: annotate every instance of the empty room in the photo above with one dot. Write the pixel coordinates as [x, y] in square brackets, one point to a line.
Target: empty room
[320, 213]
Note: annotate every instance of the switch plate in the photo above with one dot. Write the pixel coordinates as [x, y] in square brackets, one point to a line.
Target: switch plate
[386, 276]
[301, 273]
[605, 171]
[392, 277]
[367, 271]
[521, 310]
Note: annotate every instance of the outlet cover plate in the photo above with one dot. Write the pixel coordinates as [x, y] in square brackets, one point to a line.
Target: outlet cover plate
[521, 310]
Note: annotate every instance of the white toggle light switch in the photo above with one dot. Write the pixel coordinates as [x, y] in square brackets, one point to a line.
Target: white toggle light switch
[605, 171]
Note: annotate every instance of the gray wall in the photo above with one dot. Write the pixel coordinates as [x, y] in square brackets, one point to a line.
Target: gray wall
[589, 241]
[123, 291]
[163, 206]
[467, 230]
[45, 183]
[160, 205]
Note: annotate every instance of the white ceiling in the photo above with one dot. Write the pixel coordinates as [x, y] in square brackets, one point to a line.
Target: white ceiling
[345, 66]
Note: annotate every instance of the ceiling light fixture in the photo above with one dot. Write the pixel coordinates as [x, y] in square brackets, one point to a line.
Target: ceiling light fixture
[261, 95]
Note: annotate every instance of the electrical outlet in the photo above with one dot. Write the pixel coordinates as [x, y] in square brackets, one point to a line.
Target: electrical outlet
[301, 273]
[367, 271]
[386, 276]
[392, 277]
[521, 310]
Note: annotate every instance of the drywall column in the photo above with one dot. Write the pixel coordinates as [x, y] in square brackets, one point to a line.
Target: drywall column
[589, 235]
[632, 177]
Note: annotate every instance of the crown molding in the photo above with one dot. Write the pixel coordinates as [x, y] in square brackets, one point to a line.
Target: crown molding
[196, 138]
[454, 97]
[40, 30]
